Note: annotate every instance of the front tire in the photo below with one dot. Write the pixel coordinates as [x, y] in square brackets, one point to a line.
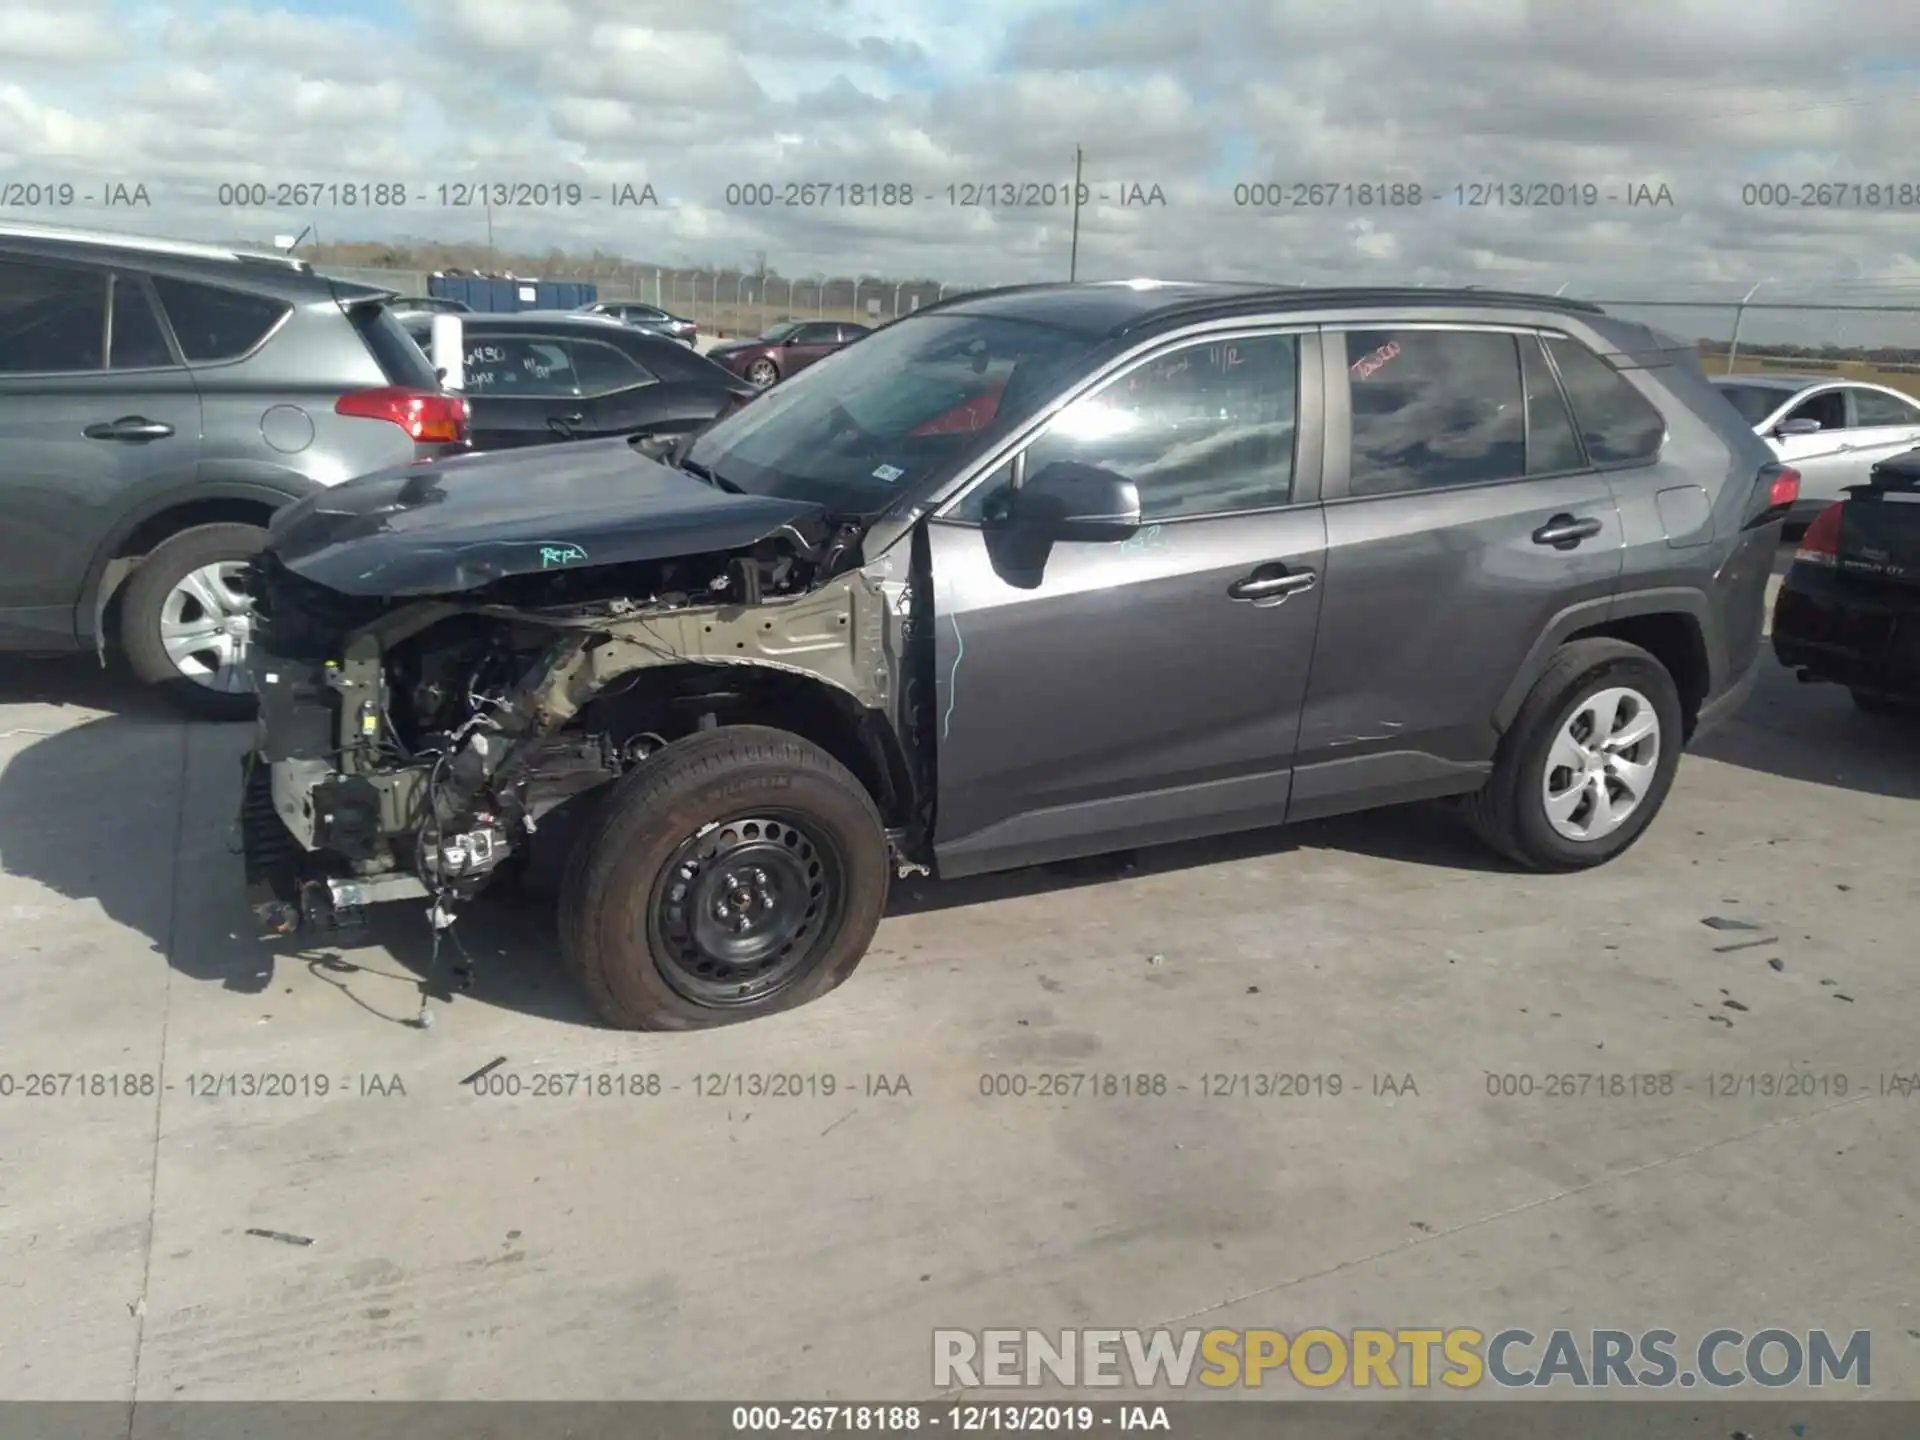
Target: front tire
[1587, 762]
[738, 873]
[185, 620]
[762, 374]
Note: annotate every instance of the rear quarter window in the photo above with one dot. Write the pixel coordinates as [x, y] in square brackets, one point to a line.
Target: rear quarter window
[213, 323]
[1619, 425]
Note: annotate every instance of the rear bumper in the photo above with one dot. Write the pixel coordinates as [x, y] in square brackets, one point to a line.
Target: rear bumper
[1834, 628]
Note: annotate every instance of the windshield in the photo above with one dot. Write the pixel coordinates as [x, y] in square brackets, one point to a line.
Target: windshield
[853, 430]
[1754, 402]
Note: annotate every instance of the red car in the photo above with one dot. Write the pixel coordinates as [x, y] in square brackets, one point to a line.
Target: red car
[790, 346]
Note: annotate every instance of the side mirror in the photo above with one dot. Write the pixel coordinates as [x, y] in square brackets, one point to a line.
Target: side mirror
[1069, 501]
[1786, 429]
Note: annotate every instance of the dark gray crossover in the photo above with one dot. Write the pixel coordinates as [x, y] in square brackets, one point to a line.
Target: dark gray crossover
[158, 402]
[1035, 573]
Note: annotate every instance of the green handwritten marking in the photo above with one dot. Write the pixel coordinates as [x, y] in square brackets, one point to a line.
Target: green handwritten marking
[561, 553]
[1152, 538]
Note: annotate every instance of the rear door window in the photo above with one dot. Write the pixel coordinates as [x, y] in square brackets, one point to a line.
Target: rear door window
[599, 369]
[1434, 408]
[505, 367]
[213, 323]
[53, 319]
[1875, 407]
[1619, 425]
[1552, 446]
[137, 342]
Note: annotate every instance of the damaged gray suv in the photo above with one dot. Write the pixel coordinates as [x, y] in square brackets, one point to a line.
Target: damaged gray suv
[1035, 573]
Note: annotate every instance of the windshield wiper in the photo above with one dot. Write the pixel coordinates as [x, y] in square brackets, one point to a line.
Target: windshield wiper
[701, 472]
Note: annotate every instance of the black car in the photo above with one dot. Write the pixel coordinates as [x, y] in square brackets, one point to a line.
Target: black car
[1034, 574]
[536, 379]
[1849, 608]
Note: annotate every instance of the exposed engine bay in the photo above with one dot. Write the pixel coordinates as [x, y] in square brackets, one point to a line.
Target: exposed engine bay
[412, 747]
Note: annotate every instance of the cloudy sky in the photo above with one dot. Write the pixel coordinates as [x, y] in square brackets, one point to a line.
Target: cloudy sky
[1708, 98]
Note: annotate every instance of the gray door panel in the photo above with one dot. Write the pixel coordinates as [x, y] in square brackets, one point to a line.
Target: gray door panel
[1127, 699]
[62, 489]
[1432, 603]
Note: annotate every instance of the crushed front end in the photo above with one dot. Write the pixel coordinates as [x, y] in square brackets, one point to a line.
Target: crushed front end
[411, 749]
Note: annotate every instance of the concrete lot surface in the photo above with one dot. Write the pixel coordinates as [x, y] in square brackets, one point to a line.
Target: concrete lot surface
[428, 1241]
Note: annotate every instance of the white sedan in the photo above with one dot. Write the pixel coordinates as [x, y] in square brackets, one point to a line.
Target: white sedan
[1832, 431]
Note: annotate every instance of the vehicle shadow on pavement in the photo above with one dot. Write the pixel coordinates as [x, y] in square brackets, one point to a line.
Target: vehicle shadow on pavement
[1814, 733]
[77, 682]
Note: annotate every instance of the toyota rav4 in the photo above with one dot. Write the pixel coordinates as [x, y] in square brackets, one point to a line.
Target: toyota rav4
[1035, 573]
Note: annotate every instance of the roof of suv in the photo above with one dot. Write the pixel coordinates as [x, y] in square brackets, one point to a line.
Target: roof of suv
[1117, 306]
[215, 262]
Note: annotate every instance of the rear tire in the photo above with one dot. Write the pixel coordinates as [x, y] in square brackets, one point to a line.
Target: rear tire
[1547, 779]
[186, 591]
[746, 827]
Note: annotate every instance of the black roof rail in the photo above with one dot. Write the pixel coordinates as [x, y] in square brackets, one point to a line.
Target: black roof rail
[955, 299]
[1311, 299]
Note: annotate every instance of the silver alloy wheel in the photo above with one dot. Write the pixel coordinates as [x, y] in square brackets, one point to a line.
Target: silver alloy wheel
[1601, 764]
[762, 373]
[205, 624]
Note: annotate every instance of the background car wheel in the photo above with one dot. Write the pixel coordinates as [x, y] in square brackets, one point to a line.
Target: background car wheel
[762, 373]
[739, 872]
[1587, 762]
[186, 618]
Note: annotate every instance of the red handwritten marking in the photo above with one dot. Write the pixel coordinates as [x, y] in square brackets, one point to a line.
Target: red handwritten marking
[1369, 364]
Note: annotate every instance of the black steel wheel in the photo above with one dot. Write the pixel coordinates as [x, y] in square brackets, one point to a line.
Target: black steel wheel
[739, 872]
[743, 906]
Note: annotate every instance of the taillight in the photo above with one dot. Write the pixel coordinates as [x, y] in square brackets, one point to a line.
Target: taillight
[430, 416]
[1775, 490]
[1785, 488]
[1821, 544]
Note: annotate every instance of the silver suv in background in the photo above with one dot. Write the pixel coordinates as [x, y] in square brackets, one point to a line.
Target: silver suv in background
[159, 401]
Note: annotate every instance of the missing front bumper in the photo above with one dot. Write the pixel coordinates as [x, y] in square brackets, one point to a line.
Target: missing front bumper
[292, 890]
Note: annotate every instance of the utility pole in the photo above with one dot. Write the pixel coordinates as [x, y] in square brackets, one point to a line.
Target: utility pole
[1073, 254]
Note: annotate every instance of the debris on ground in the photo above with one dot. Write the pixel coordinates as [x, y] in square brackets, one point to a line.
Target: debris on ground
[1721, 922]
[1776, 963]
[1746, 945]
[485, 1070]
[282, 1236]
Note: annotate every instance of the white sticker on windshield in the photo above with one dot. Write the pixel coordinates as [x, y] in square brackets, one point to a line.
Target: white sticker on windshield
[888, 473]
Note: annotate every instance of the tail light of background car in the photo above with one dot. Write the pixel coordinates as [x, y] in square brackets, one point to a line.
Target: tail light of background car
[432, 417]
[1821, 544]
[1775, 491]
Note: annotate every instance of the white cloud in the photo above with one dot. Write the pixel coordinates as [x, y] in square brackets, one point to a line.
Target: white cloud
[1704, 96]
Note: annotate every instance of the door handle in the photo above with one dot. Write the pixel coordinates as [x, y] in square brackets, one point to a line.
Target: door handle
[1271, 587]
[1563, 532]
[574, 419]
[129, 427]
